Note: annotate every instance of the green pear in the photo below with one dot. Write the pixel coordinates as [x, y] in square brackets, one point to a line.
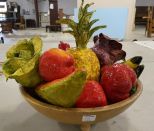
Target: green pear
[63, 92]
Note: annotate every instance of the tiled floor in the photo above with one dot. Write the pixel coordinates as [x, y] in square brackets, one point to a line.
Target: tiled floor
[28, 33]
[137, 34]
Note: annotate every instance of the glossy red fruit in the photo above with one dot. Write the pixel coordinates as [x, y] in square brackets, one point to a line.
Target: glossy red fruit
[63, 46]
[117, 81]
[55, 64]
[92, 96]
[131, 73]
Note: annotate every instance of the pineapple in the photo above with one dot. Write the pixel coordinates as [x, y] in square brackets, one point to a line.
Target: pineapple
[82, 32]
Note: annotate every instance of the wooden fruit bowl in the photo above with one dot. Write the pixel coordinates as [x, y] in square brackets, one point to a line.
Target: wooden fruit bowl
[81, 116]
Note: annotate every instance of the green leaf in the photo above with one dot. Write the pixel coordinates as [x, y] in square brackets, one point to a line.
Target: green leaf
[85, 9]
[69, 31]
[80, 14]
[87, 17]
[133, 90]
[92, 23]
[69, 22]
[84, 22]
[82, 30]
[93, 30]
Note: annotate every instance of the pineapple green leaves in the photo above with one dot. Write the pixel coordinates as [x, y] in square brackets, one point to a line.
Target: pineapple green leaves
[83, 29]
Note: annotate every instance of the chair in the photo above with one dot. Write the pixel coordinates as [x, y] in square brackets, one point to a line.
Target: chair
[20, 24]
[150, 22]
[6, 27]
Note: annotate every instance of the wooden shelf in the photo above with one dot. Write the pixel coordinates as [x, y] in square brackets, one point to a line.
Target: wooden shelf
[140, 13]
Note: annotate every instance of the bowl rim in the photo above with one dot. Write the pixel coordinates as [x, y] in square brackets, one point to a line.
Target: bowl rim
[122, 103]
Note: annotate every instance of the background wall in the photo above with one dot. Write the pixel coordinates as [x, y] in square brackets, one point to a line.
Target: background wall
[115, 28]
[27, 5]
[128, 4]
[67, 5]
[43, 5]
[144, 2]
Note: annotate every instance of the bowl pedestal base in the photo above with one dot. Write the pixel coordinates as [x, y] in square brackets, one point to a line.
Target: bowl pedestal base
[85, 127]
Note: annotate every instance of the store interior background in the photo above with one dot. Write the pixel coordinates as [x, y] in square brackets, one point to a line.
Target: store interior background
[124, 19]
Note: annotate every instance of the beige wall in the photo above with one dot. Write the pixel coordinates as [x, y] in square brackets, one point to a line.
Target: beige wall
[130, 4]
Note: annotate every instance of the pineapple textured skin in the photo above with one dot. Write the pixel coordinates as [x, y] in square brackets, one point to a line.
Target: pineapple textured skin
[86, 59]
[82, 31]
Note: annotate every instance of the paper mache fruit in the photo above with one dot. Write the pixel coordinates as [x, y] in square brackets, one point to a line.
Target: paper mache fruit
[22, 62]
[86, 59]
[82, 31]
[55, 64]
[25, 49]
[23, 71]
[117, 81]
[63, 92]
[92, 96]
[108, 50]
[63, 46]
